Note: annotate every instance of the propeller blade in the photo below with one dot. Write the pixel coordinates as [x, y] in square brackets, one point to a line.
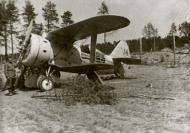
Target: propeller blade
[26, 42]
[28, 33]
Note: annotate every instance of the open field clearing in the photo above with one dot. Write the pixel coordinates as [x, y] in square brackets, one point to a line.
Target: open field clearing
[151, 99]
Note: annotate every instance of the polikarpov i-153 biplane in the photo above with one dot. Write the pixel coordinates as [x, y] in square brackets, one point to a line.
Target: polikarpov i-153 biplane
[44, 57]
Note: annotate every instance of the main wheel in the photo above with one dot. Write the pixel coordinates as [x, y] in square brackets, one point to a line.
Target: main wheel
[45, 83]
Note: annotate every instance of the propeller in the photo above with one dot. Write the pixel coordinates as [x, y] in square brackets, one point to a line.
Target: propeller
[23, 50]
[26, 42]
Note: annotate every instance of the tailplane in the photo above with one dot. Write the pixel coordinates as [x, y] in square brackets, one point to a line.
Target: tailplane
[121, 53]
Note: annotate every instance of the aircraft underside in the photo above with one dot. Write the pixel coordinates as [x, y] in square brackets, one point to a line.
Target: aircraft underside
[44, 78]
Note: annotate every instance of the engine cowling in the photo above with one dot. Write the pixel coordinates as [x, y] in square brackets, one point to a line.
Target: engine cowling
[38, 51]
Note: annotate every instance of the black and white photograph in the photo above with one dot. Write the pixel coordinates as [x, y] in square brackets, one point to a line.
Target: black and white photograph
[94, 66]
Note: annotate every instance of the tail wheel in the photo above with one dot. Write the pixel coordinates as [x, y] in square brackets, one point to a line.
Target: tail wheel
[45, 83]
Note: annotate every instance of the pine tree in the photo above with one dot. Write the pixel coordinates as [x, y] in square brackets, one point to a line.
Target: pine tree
[150, 32]
[28, 13]
[184, 29]
[103, 9]
[66, 18]
[12, 13]
[4, 24]
[173, 30]
[50, 15]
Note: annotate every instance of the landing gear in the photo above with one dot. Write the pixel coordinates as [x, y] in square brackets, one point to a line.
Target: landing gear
[45, 83]
[56, 74]
[56, 78]
[92, 75]
[119, 70]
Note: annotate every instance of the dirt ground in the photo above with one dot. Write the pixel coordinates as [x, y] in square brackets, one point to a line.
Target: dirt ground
[152, 99]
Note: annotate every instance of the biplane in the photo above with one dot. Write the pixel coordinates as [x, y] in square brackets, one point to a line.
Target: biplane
[45, 57]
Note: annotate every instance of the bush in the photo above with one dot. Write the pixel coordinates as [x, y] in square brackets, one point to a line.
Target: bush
[85, 91]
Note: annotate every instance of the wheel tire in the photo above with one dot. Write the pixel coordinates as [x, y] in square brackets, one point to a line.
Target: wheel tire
[45, 83]
[39, 80]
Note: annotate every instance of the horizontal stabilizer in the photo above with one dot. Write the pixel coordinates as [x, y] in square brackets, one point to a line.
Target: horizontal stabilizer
[129, 61]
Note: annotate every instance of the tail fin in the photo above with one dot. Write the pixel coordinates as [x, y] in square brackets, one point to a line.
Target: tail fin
[121, 50]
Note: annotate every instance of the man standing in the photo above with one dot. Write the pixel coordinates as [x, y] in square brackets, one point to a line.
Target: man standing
[11, 77]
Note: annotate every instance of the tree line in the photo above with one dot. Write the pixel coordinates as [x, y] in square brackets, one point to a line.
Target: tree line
[10, 18]
[151, 41]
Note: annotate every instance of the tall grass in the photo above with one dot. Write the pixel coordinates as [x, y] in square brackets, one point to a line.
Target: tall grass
[81, 90]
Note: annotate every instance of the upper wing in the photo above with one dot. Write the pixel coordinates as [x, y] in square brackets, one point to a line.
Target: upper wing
[82, 69]
[95, 25]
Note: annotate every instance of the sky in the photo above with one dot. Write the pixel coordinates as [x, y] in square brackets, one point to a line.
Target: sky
[161, 13]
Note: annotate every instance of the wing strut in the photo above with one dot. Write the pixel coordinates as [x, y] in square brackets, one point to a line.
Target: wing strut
[92, 74]
[93, 48]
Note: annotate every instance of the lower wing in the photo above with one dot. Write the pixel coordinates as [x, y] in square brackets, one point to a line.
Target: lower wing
[83, 69]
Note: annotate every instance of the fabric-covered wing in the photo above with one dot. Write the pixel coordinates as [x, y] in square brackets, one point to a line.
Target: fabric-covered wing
[95, 25]
[82, 69]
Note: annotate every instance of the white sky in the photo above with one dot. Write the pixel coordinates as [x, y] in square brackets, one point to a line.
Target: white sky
[161, 13]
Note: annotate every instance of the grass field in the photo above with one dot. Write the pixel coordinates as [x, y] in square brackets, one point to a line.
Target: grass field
[151, 99]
